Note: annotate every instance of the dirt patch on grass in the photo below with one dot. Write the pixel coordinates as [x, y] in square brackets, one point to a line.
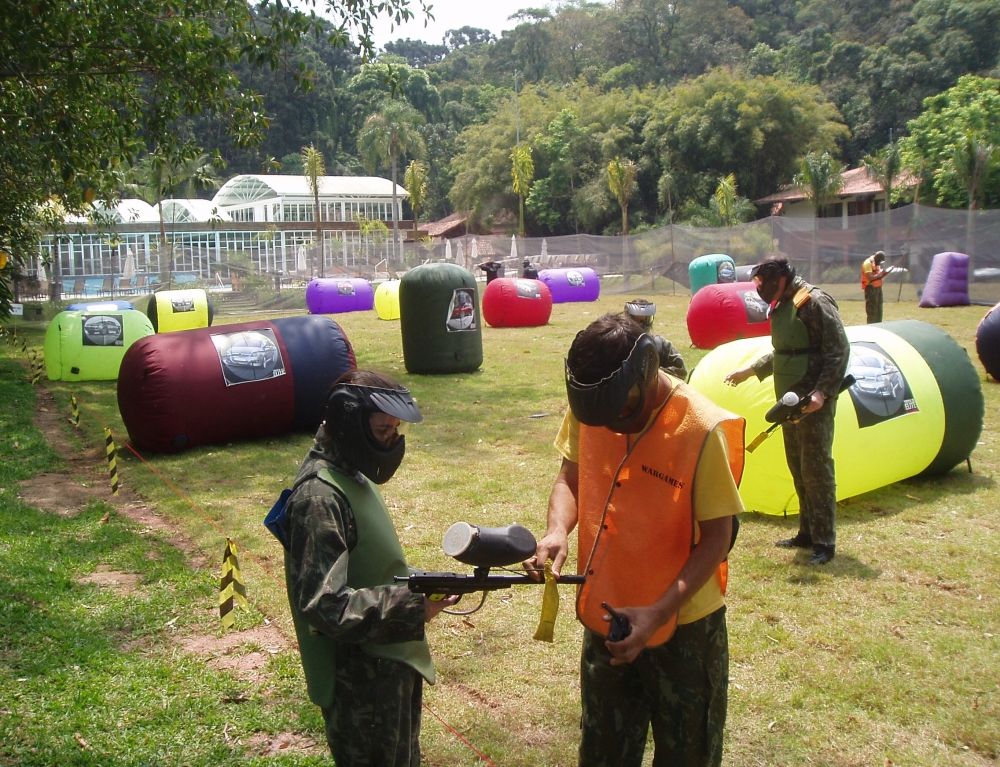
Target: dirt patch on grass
[124, 584]
[86, 479]
[244, 653]
[286, 742]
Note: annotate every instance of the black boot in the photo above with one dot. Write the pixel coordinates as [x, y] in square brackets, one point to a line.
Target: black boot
[822, 553]
[800, 541]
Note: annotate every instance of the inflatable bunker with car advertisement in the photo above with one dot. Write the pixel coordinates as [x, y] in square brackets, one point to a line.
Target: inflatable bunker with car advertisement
[439, 320]
[335, 295]
[510, 302]
[569, 284]
[172, 310]
[727, 312]
[916, 407]
[713, 269]
[89, 345]
[216, 385]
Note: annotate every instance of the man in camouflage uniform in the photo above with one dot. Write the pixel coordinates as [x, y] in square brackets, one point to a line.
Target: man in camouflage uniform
[625, 413]
[642, 311]
[811, 357]
[361, 636]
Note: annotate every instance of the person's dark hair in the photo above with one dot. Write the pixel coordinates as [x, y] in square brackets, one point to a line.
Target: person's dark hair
[773, 269]
[368, 378]
[600, 349]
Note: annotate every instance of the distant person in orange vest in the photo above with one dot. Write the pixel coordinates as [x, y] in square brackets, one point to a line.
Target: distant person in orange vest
[647, 478]
[871, 282]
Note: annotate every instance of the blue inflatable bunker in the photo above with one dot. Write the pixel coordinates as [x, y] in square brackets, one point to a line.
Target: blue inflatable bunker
[713, 269]
[215, 385]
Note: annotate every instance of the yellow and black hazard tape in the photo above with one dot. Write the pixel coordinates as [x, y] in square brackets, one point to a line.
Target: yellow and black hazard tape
[109, 441]
[75, 419]
[232, 589]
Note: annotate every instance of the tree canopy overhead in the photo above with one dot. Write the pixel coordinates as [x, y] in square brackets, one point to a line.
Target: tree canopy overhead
[87, 86]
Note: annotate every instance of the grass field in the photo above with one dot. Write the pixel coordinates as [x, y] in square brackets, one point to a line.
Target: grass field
[886, 656]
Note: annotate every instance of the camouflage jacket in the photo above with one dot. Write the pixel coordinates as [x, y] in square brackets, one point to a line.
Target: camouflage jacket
[671, 360]
[826, 368]
[321, 531]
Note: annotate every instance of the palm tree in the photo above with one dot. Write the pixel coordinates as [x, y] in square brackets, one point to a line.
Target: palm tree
[884, 168]
[159, 175]
[820, 177]
[971, 162]
[315, 168]
[522, 174]
[386, 135]
[621, 181]
[415, 181]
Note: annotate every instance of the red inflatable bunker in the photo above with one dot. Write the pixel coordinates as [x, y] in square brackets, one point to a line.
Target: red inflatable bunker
[517, 303]
[216, 385]
[722, 313]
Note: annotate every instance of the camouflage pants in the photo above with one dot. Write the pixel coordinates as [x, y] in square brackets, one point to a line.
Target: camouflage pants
[809, 452]
[873, 304]
[680, 688]
[375, 717]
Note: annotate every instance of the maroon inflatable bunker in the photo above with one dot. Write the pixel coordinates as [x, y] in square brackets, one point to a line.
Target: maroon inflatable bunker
[726, 312]
[948, 282]
[572, 284]
[215, 385]
[330, 295]
[516, 303]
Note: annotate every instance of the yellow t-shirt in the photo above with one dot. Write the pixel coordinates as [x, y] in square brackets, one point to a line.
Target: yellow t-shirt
[715, 495]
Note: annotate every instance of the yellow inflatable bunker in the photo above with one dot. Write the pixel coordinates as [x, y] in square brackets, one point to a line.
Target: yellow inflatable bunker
[917, 407]
[387, 300]
[171, 310]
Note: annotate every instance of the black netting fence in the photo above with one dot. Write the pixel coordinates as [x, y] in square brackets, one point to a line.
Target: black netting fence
[826, 251]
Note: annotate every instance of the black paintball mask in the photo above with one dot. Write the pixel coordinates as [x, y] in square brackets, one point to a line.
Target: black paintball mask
[642, 311]
[607, 402]
[348, 412]
[770, 274]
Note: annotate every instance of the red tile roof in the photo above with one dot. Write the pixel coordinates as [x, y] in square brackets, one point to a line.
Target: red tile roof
[856, 182]
[443, 227]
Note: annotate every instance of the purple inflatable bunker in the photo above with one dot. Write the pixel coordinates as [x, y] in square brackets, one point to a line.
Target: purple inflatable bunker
[330, 295]
[948, 281]
[572, 284]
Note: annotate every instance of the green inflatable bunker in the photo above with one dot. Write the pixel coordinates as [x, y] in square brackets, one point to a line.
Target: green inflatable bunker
[89, 345]
[439, 319]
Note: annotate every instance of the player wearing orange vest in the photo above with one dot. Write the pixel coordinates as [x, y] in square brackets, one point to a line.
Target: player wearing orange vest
[648, 479]
[871, 283]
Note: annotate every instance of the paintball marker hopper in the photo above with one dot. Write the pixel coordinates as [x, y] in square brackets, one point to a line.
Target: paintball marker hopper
[488, 546]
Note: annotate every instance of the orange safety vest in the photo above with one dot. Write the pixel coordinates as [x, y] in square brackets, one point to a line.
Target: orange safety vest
[864, 276]
[636, 511]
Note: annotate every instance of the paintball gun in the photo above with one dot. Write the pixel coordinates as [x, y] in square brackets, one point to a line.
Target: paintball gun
[483, 548]
[789, 408]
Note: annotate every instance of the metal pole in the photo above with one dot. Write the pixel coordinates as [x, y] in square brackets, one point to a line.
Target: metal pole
[517, 118]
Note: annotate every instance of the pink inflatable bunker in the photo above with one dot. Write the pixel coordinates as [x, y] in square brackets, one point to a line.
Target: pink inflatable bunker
[726, 312]
[329, 295]
[572, 284]
[948, 281]
[516, 303]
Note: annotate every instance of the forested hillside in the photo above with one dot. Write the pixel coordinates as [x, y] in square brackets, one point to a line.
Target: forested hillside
[690, 91]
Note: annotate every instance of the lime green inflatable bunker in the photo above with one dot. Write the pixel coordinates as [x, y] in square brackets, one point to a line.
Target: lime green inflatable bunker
[387, 300]
[171, 310]
[89, 345]
[917, 408]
